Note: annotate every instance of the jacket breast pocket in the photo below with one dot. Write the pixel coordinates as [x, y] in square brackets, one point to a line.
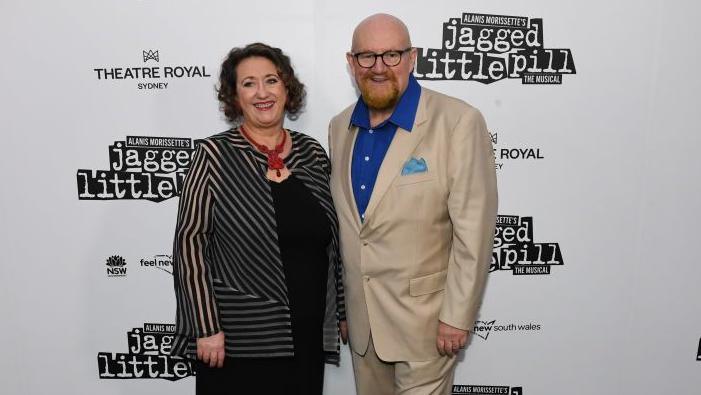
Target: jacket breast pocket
[415, 178]
[428, 284]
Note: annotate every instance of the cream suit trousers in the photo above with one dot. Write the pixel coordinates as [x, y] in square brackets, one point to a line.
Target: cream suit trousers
[376, 377]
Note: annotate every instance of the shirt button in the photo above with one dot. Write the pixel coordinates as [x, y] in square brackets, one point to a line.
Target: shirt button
[371, 131]
[367, 158]
[362, 187]
[363, 217]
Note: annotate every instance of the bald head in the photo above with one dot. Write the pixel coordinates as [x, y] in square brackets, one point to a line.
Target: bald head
[380, 30]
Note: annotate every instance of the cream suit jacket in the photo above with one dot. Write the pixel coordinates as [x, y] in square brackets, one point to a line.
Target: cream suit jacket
[422, 253]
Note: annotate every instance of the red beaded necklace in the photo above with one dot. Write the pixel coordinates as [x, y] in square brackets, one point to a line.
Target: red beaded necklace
[274, 160]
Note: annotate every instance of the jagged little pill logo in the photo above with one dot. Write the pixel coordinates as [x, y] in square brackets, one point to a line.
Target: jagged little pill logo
[515, 249]
[488, 48]
[147, 356]
[144, 168]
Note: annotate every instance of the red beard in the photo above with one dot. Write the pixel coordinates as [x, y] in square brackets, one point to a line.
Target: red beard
[378, 98]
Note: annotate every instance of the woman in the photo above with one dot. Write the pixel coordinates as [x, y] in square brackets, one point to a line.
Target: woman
[256, 263]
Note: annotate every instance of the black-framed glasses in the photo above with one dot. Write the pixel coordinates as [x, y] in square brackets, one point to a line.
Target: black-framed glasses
[390, 58]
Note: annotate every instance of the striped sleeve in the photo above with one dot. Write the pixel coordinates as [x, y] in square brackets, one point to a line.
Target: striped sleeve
[338, 263]
[197, 312]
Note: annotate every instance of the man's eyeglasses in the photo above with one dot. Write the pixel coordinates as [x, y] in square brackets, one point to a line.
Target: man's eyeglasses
[389, 58]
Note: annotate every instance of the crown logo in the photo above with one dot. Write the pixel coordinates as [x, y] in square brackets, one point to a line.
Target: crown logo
[148, 55]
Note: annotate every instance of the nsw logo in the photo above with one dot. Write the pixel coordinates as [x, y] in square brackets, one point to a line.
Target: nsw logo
[483, 328]
[116, 266]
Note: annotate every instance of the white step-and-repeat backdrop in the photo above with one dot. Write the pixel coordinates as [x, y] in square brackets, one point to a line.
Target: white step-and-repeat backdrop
[592, 107]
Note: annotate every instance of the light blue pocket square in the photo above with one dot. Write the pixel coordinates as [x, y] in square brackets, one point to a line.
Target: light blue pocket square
[413, 166]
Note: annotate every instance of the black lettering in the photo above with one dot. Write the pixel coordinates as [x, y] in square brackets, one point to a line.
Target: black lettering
[142, 366]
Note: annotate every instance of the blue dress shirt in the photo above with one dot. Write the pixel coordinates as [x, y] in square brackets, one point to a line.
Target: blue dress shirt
[371, 144]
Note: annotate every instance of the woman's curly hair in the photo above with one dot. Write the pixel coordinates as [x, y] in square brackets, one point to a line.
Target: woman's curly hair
[226, 92]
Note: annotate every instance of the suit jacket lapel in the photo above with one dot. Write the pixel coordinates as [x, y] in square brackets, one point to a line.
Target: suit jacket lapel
[403, 144]
[345, 172]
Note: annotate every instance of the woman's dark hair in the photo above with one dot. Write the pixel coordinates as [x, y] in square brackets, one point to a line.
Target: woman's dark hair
[226, 92]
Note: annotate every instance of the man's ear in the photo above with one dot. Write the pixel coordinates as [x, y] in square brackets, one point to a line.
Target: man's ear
[351, 61]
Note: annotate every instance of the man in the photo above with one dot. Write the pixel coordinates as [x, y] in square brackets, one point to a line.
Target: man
[414, 183]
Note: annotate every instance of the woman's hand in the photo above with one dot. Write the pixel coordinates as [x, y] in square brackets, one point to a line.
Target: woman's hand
[210, 350]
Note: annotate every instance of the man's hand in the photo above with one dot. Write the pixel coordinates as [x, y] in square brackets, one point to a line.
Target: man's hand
[450, 339]
[210, 350]
[343, 327]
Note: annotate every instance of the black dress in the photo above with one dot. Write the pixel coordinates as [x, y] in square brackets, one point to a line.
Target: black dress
[303, 235]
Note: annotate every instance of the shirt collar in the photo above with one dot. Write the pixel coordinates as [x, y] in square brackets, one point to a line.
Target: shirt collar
[403, 115]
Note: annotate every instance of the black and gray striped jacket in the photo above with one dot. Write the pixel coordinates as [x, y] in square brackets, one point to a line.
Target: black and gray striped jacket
[226, 259]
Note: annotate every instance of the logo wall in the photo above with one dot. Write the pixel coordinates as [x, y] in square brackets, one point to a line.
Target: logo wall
[146, 168]
[484, 328]
[504, 154]
[147, 356]
[150, 76]
[116, 266]
[460, 389]
[516, 251]
[488, 48]
[162, 262]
